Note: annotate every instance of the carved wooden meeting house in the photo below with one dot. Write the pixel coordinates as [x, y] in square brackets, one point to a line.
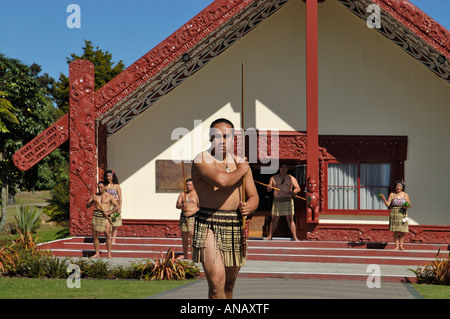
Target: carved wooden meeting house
[355, 104]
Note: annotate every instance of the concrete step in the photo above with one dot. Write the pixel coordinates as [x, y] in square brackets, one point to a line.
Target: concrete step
[275, 243]
[280, 257]
[277, 250]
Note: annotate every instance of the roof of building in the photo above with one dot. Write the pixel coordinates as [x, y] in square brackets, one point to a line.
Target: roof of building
[222, 23]
[218, 27]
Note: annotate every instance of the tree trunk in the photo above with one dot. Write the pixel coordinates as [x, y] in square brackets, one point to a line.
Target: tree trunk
[4, 206]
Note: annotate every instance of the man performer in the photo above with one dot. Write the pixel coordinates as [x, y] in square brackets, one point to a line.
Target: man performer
[188, 203]
[103, 202]
[283, 202]
[218, 176]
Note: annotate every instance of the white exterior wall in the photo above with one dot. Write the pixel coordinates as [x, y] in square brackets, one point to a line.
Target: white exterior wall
[367, 86]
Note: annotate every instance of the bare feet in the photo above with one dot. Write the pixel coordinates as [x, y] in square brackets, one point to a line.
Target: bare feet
[96, 256]
[268, 238]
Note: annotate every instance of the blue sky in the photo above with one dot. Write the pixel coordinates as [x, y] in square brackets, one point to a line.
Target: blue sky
[36, 30]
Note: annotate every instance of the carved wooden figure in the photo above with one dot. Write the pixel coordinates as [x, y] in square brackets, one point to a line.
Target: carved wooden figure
[312, 201]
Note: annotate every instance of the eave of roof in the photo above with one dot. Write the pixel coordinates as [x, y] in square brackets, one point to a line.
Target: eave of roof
[162, 69]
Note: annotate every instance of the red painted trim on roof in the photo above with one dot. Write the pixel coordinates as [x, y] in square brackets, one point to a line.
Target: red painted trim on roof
[418, 22]
[186, 37]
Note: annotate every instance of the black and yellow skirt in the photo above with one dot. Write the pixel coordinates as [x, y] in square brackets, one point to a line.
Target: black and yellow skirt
[283, 206]
[227, 229]
[395, 220]
[186, 223]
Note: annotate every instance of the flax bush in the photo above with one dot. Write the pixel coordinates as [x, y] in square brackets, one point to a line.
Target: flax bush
[27, 219]
[435, 272]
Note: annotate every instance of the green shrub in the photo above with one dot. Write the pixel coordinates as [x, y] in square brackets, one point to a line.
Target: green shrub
[56, 267]
[94, 268]
[59, 207]
[168, 268]
[190, 269]
[22, 257]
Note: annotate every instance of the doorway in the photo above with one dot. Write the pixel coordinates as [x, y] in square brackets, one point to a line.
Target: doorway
[259, 225]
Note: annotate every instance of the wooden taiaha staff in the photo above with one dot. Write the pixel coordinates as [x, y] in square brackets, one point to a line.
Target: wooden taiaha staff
[184, 188]
[93, 197]
[243, 133]
[244, 232]
[296, 196]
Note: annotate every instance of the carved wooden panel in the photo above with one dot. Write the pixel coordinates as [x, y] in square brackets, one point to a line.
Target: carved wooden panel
[43, 144]
[378, 233]
[83, 150]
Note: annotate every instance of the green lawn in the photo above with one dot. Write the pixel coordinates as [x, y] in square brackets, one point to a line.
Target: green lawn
[46, 232]
[26, 198]
[30, 288]
[38, 197]
[433, 291]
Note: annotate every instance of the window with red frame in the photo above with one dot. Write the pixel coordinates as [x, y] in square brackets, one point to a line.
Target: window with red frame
[356, 186]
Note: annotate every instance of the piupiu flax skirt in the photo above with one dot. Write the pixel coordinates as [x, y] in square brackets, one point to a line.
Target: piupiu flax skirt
[98, 221]
[185, 221]
[283, 206]
[395, 220]
[227, 229]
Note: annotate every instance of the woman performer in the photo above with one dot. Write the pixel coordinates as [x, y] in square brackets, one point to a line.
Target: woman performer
[112, 186]
[398, 220]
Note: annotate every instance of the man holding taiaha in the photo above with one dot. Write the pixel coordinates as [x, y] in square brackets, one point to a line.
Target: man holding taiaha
[188, 203]
[283, 202]
[218, 176]
[103, 202]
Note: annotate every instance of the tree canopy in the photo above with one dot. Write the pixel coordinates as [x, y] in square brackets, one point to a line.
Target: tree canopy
[29, 103]
[105, 71]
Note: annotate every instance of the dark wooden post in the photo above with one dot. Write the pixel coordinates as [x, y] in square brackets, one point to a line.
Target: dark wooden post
[312, 110]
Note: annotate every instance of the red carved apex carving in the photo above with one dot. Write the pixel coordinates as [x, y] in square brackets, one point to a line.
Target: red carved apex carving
[419, 22]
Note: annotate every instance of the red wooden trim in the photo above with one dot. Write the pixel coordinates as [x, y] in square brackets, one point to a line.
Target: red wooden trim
[173, 47]
[83, 150]
[312, 112]
[149, 228]
[358, 211]
[419, 23]
[428, 234]
[102, 145]
[42, 145]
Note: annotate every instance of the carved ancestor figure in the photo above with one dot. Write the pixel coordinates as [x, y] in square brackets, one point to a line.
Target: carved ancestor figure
[312, 200]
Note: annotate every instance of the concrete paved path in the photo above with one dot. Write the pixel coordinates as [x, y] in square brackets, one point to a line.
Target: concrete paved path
[277, 288]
